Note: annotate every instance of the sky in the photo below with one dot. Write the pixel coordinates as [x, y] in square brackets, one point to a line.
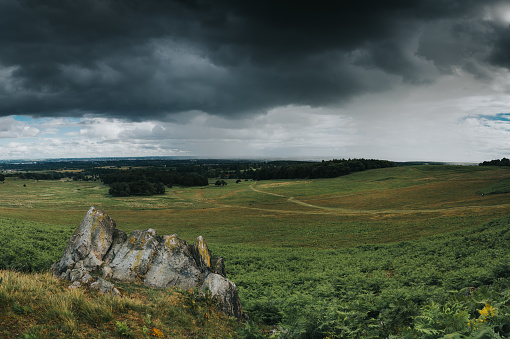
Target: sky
[421, 80]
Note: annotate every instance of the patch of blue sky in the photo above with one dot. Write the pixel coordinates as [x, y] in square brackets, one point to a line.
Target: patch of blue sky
[496, 117]
[23, 118]
[26, 118]
[56, 126]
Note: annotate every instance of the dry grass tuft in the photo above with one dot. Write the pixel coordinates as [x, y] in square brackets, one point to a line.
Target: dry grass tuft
[41, 306]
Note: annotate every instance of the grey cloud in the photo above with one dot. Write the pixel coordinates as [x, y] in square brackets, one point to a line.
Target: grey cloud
[143, 59]
[501, 52]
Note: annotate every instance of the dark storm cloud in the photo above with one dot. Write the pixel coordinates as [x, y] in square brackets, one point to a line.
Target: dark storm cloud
[144, 59]
[501, 52]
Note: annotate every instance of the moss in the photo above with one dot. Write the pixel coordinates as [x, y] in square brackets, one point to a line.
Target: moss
[172, 241]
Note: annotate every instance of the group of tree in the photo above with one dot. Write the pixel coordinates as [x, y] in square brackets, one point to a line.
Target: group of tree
[496, 162]
[191, 172]
[220, 183]
[41, 176]
[54, 175]
[149, 181]
[324, 169]
[155, 175]
[140, 187]
[90, 169]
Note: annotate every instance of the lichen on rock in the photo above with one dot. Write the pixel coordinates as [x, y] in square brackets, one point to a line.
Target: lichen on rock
[88, 245]
[135, 256]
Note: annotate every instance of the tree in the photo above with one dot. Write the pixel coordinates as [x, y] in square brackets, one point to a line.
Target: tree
[160, 188]
[220, 183]
[119, 189]
[142, 187]
[2, 177]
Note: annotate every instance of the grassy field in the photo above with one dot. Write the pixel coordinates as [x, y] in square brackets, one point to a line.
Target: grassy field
[405, 252]
[378, 206]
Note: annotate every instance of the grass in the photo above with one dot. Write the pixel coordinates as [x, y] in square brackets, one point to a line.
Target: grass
[31, 246]
[394, 204]
[297, 249]
[500, 187]
[40, 306]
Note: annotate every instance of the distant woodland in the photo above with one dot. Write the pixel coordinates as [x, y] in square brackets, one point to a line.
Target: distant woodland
[497, 162]
[324, 169]
[149, 177]
[149, 181]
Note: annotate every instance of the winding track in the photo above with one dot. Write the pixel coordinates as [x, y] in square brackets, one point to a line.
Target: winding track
[387, 211]
[336, 210]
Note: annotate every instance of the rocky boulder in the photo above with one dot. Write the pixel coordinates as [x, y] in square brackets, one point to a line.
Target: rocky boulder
[87, 247]
[145, 257]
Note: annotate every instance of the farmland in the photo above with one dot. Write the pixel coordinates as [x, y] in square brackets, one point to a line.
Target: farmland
[363, 255]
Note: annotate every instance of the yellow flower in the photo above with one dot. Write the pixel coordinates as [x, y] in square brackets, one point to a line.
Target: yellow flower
[487, 312]
[157, 332]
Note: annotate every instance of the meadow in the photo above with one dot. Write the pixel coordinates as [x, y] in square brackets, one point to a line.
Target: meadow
[416, 251]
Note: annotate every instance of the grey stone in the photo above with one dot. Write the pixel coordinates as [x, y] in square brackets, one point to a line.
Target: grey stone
[134, 257]
[225, 292]
[119, 237]
[77, 272]
[157, 261]
[204, 258]
[218, 266]
[104, 287]
[107, 272]
[86, 278]
[173, 265]
[74, 285]
[90, 242]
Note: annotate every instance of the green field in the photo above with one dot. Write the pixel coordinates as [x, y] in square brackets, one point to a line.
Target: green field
[387, 252]
[377, 206]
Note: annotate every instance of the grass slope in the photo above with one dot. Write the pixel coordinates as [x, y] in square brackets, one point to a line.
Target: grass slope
[393, 252]
[377, 206]
[40, 306]
[379, 290]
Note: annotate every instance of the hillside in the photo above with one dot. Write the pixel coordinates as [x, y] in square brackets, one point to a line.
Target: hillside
[406, 252]
[40, 306]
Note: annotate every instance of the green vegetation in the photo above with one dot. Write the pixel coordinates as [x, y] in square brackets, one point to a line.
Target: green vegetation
[496, 162]
[499, 187]
[434, 285]
[400, 252]
[40, 306]
[324, 169]
[31, 246]
[140, 187]
[140, 181]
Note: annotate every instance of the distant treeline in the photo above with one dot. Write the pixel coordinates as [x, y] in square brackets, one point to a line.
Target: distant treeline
[497, 162]
[93, 170]
[41, 176]
[147, 174]
[53, 175]
[149, 181]
[324, 169]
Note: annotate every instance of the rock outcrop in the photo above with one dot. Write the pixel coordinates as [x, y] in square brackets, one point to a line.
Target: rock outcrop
[145, 257]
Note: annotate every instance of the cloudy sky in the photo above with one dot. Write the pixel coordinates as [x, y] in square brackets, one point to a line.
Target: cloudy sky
[396, 79]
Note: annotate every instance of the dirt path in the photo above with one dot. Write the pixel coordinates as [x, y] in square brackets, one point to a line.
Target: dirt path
[338, 210]
[198, 197]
